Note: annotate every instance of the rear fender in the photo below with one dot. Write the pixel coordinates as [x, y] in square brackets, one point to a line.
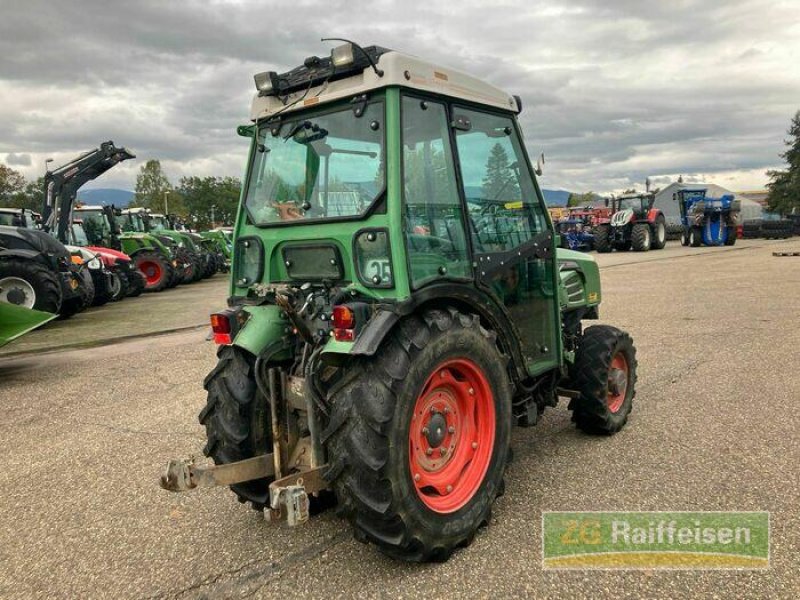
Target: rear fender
[21, 253]
[653, 214]
[265, 325]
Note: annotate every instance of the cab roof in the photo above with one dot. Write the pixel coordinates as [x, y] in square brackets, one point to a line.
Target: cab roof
[398, 70]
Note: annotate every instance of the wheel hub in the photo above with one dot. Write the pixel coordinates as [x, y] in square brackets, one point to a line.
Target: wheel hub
[16, 290]
[451, 435]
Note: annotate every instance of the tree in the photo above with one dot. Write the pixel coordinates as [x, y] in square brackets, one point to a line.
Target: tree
[207, 197]
[500, 181]
[585, 199]
[12, 183]
[151, 186]
[784, 187]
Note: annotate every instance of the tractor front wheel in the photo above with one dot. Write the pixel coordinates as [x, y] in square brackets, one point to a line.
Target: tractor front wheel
[418, 436]
[641, 238]
[695, 237]
[602, 238]
[157, 272]
[604, 373]
[30, 284]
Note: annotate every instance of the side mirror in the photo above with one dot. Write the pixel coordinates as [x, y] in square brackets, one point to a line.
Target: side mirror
[539, 164]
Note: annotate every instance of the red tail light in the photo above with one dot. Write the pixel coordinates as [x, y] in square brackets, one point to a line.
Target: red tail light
[343, 318]
[344, 322]
[221, 326]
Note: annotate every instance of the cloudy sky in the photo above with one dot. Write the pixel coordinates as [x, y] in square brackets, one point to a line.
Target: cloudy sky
[614, 90]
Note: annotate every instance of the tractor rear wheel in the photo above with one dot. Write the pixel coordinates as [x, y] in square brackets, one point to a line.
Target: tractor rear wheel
[30, 284]
[156, 271]
[659, 234]
[695, 237]
[237, 419]
[602, 238]
[641, 238]
[604, 373]
[418, 436]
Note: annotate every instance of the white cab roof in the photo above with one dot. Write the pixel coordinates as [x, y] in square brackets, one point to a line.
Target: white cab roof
[399, 70]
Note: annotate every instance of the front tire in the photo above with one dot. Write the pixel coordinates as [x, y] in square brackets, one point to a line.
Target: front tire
[695, 237]
[438, 384]
[604, 373]
[641, 238]
[602, 238]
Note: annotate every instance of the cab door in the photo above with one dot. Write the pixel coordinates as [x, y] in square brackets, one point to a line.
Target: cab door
[511, 237]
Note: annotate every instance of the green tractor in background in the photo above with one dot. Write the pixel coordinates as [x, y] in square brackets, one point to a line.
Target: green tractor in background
[154, 258]
[397, 304]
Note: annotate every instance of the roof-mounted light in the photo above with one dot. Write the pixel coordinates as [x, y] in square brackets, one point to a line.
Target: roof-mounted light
[343, 55]
[266, 82]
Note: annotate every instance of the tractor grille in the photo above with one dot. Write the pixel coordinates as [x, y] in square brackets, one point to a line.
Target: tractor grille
[574, 288]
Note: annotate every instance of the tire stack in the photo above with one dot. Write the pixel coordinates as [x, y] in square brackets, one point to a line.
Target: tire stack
[674, 231]
[751, 229]
[777, 230]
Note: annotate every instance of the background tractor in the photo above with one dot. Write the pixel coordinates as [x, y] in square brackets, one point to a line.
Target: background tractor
[707, 221]
[397, 304]
[634, 224]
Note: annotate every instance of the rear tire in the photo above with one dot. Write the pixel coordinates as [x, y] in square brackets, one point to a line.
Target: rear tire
[641, 237]
[119, 285]
[45, 284]
[382, 476]
[695, 237]
[604, 373]
[659, 234]
[602, 238]
[731, 239]
[236, 418]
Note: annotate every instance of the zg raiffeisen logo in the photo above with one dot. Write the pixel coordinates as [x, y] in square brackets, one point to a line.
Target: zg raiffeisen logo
[655, 540]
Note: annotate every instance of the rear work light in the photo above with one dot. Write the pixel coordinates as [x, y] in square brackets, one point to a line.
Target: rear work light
[344, 323]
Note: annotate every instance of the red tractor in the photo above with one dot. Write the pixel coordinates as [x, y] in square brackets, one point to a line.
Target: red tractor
[634, 223]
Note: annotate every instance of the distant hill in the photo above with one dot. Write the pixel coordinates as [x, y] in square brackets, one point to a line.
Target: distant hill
[117, 197]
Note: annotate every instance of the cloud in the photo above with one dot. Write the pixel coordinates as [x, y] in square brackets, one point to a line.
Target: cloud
[22, 160]
[614, 90]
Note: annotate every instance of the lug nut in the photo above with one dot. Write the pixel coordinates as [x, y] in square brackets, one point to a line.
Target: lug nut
[433, 410]
[449, 488]
[446, 410]
[451, 429]
[425, 431]
[416, 477]
[443, 451]
[471, 391]
[429, 451]
[474, 445]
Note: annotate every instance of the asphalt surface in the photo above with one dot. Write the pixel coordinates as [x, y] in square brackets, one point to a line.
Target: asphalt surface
[85, 433]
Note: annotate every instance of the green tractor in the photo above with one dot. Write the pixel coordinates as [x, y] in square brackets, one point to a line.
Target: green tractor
[397, 304]
[223, 247]
[157, 257]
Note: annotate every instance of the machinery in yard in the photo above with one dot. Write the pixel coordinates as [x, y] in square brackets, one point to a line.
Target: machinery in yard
[397, 304]
[634, 224]
[162, 262]
[575, 234]
[112, 271]
[223, 245]
[707, 221]
[17, 320]
[39, 272]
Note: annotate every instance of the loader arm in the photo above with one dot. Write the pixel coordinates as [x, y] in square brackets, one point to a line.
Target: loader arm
[62, 184]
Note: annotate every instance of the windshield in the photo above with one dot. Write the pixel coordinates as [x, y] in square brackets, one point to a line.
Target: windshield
[79, 235]
[636, 204]
[158, 223]
[95, 225]
[320, 167]
[132, 222]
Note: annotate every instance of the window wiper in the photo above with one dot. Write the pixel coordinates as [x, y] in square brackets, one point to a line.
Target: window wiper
[317, 132]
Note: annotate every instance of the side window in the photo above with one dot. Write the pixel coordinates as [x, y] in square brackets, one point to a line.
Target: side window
[434, 224]
[503, 207]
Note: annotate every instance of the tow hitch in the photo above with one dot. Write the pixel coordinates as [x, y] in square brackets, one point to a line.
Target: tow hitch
[288, 496]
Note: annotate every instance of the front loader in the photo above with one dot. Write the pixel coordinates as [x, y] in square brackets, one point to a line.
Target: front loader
[397, 304]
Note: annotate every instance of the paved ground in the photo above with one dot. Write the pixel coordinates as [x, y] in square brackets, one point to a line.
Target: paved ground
[85, 433]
